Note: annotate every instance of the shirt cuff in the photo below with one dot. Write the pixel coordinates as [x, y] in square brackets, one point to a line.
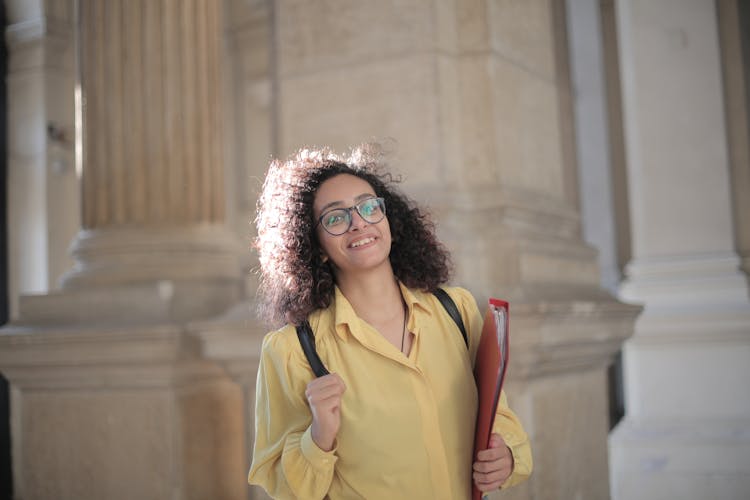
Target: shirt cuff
[318, 458]
[514, 442]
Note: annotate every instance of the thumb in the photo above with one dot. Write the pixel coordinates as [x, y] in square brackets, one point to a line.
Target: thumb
[496, 441]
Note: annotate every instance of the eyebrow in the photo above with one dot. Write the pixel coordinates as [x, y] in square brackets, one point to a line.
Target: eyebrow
[357, 199]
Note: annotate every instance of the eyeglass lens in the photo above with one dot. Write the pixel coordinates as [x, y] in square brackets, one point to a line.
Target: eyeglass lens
[339, 220]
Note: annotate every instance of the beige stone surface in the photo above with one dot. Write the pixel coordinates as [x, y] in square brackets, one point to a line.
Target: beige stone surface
[122, 412]
[570, 424]
[211, 427]
[388, 98]
[528, 139]
[137, 254]
[315, 36]
[127, 443]
[96, 444]
[234, 341]
[521, 32]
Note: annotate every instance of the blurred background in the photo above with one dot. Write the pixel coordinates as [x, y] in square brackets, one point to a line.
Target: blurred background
[587, 160]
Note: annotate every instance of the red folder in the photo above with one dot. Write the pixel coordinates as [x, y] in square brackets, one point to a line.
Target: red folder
[489, 373]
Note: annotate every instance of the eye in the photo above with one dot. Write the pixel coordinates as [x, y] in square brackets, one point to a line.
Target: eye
[334, 217]
[369, 207]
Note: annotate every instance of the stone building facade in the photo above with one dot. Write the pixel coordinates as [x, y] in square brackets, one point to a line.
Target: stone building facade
[588, 160]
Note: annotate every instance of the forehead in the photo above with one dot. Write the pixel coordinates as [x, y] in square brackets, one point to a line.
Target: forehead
[343, 188]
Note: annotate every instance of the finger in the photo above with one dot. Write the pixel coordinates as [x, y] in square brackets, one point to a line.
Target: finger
[485, 487]
[329, 394]
[491, 481]
[326, 387]
[331, 380]
[494, 465]
[336, 378]
[492, 454]
[496, 441]
[324, 405]
[491, 477]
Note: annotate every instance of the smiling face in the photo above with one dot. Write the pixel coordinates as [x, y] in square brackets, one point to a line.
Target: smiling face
[365, 246]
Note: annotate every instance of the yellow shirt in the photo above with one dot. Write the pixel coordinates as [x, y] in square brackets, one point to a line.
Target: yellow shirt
[407, 424]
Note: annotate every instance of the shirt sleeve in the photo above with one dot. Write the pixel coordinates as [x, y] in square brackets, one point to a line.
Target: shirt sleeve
[509, 427]
[506, 422]
[286, 461]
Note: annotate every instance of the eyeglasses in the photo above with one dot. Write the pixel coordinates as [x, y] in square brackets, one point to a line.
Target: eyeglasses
[337, 221]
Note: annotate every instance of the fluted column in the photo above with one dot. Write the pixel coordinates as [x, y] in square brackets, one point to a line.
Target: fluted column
[116, 388]
[151, 119]
[153, 182]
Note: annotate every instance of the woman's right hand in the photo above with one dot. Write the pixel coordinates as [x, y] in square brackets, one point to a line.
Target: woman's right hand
[324, 397]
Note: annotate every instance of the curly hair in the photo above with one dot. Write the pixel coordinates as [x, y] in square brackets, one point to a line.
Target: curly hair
[294, 279]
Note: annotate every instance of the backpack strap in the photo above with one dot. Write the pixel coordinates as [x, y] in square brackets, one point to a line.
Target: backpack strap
[307, 339]
[450, 307]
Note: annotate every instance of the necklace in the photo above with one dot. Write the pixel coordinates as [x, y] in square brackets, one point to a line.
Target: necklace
[403, 330]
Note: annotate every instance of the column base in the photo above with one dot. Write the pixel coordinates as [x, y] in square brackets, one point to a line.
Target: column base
[120, 413]
[160, 301]
[144, 275]
[683, 283]
[687, 432]
[685, 459]
[117, 256]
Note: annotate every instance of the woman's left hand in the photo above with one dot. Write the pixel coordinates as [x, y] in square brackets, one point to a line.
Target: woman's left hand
[493, 466]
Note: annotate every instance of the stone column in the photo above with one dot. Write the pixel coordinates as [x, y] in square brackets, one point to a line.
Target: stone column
[43, 210]
[687, 421]
[153, 185]
[592, 136]
[477, 96]
[113, 393]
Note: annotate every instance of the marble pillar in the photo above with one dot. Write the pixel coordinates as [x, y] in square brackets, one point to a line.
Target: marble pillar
[687, 425]
[153, 185]
[592, 136]
[43, 209]
[477, 97]
[114, 393]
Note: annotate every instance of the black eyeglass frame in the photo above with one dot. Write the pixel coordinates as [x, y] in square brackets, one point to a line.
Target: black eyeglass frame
[381, 204]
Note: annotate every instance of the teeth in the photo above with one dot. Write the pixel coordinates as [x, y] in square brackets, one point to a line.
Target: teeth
[361, 242]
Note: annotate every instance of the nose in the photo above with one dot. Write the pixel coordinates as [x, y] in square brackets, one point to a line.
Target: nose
[358, 223]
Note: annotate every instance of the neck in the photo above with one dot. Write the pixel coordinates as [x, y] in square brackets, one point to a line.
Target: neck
[373, 295]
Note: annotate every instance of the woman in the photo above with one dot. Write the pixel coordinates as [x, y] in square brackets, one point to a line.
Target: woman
[341, 248]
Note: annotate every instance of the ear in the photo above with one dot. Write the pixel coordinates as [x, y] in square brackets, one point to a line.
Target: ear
[323, 257]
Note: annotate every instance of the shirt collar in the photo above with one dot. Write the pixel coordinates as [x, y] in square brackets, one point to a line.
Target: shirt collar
[344, 317]
[343, 313]
[414, 298]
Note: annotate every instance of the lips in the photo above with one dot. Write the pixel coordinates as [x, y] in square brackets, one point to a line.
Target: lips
[359, 242]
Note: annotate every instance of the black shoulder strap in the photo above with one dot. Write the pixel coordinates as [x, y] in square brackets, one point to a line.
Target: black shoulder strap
[307, 340]
[452, 310]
